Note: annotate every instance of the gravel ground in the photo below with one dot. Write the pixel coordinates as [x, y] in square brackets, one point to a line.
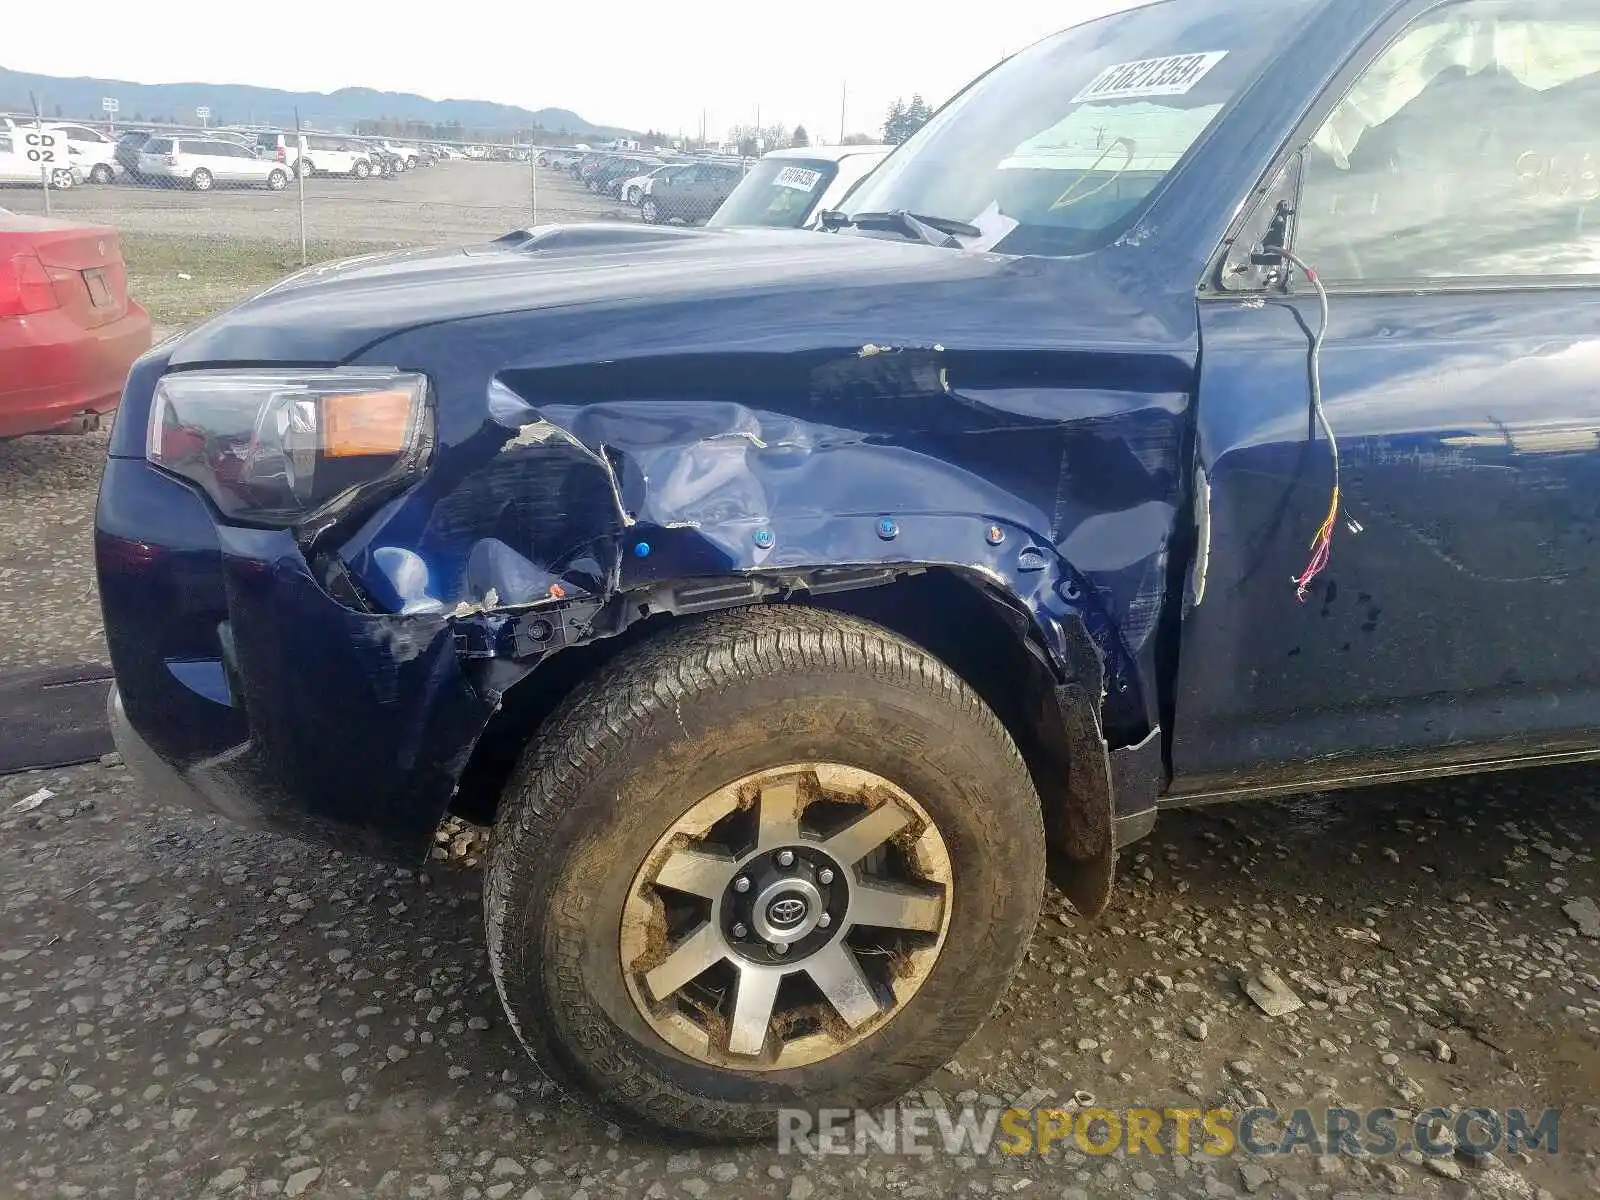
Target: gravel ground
[452, 201]
[49, 608]
[192, 1009]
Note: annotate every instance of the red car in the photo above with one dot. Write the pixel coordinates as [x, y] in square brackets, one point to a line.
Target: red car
[68, 332]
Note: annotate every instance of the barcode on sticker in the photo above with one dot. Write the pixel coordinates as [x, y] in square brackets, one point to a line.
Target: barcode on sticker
[799, 178]
[1170, 76]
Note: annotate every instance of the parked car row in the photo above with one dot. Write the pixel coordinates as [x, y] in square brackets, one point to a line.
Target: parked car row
[688, 190]
[268, 157]
[787, 188]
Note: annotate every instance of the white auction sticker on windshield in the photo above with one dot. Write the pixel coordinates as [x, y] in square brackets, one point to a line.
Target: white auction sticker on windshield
[799, 178]
[1170, 76]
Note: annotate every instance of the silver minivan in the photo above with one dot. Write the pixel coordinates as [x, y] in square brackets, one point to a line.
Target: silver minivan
[203, 162]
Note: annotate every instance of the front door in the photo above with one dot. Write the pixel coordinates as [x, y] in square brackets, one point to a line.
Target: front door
[1451, 204]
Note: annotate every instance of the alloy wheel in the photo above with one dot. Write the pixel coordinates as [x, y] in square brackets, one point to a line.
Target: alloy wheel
[786, 917]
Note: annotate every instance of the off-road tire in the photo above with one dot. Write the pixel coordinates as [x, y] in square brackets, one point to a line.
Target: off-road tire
[669, 722]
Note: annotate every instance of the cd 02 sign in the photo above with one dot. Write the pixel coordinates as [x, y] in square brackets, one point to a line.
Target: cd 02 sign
[44, 148]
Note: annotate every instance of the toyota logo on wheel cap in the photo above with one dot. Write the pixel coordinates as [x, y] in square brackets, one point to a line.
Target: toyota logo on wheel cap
[786, 912]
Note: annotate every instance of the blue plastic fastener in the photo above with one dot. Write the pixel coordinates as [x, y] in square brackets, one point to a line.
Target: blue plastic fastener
[642, 550]
[888, 530]
[763, 539]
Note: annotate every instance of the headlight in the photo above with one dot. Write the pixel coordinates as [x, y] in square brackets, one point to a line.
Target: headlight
[277, 447]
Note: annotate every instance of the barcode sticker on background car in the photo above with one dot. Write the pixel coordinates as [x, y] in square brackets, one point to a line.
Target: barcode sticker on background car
[798, 178]
[1170, 76]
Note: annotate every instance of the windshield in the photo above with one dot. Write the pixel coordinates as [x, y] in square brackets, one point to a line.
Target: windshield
[1055, 150]
[778, 192]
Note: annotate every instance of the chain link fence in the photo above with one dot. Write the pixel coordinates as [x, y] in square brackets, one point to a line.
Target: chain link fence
[209, 215]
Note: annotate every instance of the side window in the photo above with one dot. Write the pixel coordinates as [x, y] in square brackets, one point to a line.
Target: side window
[1468, 149]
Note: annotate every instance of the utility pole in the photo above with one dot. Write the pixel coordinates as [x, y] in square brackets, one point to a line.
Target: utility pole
[844, 102]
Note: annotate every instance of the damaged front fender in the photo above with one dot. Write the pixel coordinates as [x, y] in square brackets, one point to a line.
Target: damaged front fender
[592, 494]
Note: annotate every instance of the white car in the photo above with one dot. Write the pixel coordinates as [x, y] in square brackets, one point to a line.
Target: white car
[315, 153]
[791, 188]
[633, 191]
[20, 142]
[92, 151]
[327, 155]
[203, 163]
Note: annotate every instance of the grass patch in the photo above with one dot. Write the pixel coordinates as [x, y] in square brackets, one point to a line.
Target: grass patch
[184, 280]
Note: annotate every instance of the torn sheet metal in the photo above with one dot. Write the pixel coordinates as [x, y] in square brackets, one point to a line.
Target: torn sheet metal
[619, 475]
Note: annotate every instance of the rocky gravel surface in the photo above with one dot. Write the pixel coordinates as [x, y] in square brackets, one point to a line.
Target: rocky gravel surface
[49, 607]
[188, 1008]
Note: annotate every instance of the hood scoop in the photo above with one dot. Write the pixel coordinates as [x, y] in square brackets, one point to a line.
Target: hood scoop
[593, 236]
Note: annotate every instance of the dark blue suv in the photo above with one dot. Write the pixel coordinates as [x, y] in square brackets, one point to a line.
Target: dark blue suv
[1203, 405]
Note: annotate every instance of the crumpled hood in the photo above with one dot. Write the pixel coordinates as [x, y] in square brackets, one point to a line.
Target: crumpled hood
[329, 313]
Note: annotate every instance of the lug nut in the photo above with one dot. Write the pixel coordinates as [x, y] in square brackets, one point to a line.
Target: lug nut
[780, 948]
[786, 858]
[825, 875]
[741, 884]
[825, 920]
[740, 931]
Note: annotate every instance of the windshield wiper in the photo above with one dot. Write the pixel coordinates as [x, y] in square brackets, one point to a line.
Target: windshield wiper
[935, 231]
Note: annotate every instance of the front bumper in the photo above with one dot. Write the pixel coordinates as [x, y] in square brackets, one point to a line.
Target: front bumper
[159, 778]
[243, 687]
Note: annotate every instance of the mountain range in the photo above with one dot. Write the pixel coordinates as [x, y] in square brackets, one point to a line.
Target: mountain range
[235, 103]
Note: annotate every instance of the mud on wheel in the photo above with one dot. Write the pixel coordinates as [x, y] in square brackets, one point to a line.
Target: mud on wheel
[774, 858]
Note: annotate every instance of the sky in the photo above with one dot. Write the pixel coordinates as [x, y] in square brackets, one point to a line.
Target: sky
[638, 64]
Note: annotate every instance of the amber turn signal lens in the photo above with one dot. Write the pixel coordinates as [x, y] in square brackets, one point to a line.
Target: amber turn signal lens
[362, 423]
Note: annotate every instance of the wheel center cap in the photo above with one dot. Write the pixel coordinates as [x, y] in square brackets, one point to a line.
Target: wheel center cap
[786, 910]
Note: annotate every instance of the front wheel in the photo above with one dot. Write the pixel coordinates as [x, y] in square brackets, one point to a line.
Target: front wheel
[62, 180]
[650, 211]
[102, 173]
[774, 858]
[277, 180]
[362, 169]
[201, 180]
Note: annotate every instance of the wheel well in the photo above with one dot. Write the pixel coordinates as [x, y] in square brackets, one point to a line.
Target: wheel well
[956, 616]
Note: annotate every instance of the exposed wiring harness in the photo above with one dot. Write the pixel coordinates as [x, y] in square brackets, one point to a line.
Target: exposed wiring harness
[1322, 541]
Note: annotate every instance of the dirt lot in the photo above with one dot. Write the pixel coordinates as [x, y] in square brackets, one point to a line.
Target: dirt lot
[188, 1009]
[452, 201]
